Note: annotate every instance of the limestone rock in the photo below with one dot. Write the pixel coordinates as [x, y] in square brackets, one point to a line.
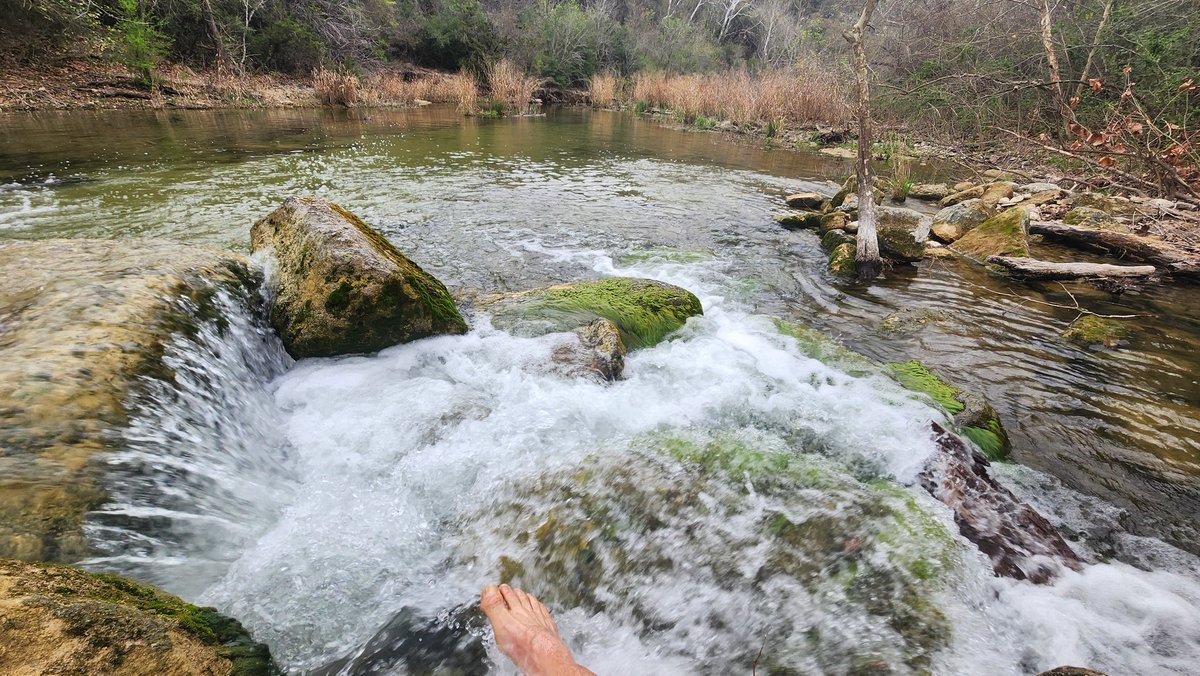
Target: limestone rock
[929, 191]
[1001, 235]
[973, 192]
[834, 220]
[954, 221]
[56, 619]
[85, 324]
[1093, 218]
[342, 288]
[997, 192]
[841, 260]
[644, 310]
[805, 220]
[972, 415]
[602, 338]
[835, 238]
[1040, 186]
[902, 233]
[805, 200]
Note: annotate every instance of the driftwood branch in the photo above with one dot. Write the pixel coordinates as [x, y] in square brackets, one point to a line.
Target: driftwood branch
[1031, 268]
[1122, 245]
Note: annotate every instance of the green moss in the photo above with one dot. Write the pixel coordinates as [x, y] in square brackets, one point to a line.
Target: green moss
[808, 220]
[1094, 330]
[339, 297]
[816, 345]
[644, 310]
[1000, 235]
[835, 238]
[914, 376]
[841, 260]
[990, 440]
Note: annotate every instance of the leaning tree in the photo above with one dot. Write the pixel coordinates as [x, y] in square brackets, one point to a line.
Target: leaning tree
[866, 258]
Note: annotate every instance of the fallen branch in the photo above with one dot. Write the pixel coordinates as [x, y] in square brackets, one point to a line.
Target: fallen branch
[1032, 268]
[1122, 245]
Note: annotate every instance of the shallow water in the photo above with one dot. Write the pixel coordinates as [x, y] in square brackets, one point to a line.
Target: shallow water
[348, 490]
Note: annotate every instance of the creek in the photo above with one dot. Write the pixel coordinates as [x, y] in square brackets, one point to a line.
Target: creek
[730, 497]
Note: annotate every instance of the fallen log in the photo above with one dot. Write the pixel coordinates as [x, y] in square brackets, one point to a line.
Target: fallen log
[1122, 245]
[1032, 268]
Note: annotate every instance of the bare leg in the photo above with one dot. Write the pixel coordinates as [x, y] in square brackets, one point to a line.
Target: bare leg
[527, 634]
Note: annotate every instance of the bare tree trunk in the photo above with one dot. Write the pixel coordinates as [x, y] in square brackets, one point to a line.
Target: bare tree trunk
[1060, 99]
[224, 61]
[866, 258]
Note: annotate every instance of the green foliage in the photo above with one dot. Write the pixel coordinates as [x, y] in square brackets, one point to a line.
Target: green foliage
[453, 34]
[641, 107]
[287, 45]
[140, 46]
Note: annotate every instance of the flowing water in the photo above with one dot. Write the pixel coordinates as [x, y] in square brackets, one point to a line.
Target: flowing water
[729, 502]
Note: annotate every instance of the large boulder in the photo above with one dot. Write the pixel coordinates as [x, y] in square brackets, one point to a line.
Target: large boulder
[342, 288]
[56, 619]
[902, 233]
[806, 200]
[952, 222]
[929, 191]
[644, 310]
[84, 324]
[1000, 235]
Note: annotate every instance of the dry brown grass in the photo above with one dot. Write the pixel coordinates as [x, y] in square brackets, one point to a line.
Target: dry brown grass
[404, 89]
[464, 90]
[602, 90]
[334, 88]
[512, 86]
[802, 95]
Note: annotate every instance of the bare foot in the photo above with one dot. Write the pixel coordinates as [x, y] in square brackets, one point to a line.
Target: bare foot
[527, 634]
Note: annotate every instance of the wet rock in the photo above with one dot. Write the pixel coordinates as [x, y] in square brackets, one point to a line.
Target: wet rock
[62, 620]
[952, 222]
[937, 250]
[85, 326]
[1020, 542]
[805, 200]
[835, 238]
[845, 191]
[902, 233]
[834, 220]
[841, 260]
[606, 355]
[972, 415]
[1095, 330]
[1093, 218]
[963, 185]
[342, 288]
[929, 191]
[762, 521]
[909, 319]
[1000, 235]
[644, 310]
[1070, 671]
[807, 220]
[410, 643]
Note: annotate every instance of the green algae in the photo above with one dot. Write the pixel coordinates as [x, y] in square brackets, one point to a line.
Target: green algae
[1095, 330]
[664, 255]
[973, 417]
[914, 376]
[816, 345]
[1000, 235]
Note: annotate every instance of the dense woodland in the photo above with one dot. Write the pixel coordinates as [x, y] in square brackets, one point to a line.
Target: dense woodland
[961, 66]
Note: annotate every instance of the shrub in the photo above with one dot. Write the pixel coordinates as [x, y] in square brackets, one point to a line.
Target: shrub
[140, 46]
[602, 90]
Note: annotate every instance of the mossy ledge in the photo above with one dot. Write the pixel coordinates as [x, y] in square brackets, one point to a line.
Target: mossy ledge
[342, 288]
[644, 310]
[973, 416]
[60, 619]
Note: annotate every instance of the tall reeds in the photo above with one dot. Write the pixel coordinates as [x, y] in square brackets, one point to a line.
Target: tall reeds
[602, 89]
[464, 90]
[509, 85]
[395, 89]
[804, 94]
[334, 88]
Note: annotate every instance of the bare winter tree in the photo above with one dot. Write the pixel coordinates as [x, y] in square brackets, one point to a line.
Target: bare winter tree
[866, 258]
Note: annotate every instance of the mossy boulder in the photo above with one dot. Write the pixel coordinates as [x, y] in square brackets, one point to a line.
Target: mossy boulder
[952, 222]
[86, 326]
[342, 288]
[62, 620]
[805, 220]
[1088, 217]
[841, 259]
[644, 310]
[746, 515]
[902, 233]
[1095, 330]
[833, 220]
[835, 238]
[974, 417]
[1000, 235]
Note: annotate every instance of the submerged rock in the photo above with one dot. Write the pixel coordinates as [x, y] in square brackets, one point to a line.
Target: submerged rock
[62, 620]
[743, 516]
[910, 319]
[84, 324]
[644, 310]
[902, 233]
[342, 288]
[1021, 543]
[1094, 330]
[1000, 235]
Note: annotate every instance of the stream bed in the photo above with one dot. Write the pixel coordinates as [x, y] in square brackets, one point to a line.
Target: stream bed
[729, 500]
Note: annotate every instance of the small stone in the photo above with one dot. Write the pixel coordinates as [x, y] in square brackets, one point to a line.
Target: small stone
[1040, 187]
[835, 238]
[902, 233]
[805, 200]
[807, 220]
[834, 220]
